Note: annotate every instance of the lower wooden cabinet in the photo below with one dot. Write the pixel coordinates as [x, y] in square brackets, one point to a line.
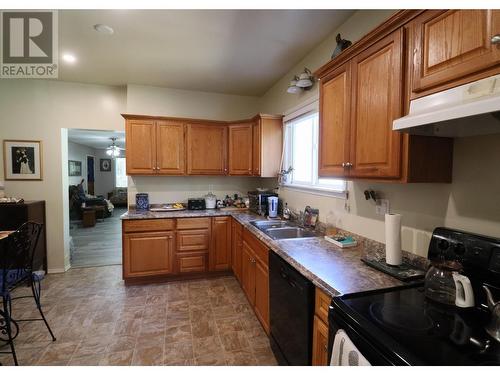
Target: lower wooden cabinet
[220, 252]
[320, 329]
[148, 254]
[255, 277]
[320, 343]
[236, 248]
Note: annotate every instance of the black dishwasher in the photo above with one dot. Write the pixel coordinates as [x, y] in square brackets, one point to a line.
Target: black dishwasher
[291, 298]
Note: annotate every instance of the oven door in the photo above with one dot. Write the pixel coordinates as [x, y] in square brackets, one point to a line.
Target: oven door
[339, 320]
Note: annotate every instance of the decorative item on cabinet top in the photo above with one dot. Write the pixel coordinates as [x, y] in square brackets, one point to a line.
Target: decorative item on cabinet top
[175, 146]
[342, 44]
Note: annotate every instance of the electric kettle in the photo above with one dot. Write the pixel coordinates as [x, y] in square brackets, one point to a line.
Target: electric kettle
[493, 327]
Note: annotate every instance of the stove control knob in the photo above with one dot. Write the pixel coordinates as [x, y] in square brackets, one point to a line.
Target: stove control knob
[459, 249]
[443, 244]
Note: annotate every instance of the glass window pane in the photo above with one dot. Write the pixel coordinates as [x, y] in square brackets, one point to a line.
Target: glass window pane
[120, 173]
[302, 151]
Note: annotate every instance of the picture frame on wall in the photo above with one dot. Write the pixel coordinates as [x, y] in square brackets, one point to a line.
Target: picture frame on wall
[22, 160]
[74, 168]
[105, 165]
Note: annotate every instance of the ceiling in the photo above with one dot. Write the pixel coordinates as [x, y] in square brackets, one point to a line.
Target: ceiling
[241, 52]
[97, 139]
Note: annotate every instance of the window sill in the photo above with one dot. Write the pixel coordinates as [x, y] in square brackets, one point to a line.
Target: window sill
[317, 191]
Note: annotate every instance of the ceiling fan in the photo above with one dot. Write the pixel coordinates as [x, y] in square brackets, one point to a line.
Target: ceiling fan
[113, 150]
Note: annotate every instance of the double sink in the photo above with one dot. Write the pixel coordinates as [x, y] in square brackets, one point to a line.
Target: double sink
[283, 230]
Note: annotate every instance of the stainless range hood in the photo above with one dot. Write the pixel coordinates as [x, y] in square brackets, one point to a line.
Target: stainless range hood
[467, 110]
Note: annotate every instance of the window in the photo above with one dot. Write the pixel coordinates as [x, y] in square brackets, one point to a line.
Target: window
[120, 173]
[301, 153]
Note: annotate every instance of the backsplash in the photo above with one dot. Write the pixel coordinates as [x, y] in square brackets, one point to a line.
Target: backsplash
[179, 189]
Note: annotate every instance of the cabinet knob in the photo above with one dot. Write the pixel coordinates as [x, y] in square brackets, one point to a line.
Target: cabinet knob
[348, 165]
[495, 39]
[344, 165]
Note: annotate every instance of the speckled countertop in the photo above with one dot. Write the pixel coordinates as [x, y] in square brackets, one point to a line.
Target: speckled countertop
[337, 271]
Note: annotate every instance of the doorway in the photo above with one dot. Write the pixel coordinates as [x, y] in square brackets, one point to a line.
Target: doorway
[90, 174]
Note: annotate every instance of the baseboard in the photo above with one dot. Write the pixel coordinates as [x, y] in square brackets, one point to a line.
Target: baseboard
[56, 270]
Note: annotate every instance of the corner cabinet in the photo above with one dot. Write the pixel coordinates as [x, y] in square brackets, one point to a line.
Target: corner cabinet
[454, 45]
[362, 92]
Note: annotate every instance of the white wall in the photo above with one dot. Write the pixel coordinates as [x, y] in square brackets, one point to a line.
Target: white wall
[470, 203]
[79, 153]
[104, 181]
[43, 110]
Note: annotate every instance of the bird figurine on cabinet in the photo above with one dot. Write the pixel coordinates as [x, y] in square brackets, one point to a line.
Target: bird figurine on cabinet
[342, 44]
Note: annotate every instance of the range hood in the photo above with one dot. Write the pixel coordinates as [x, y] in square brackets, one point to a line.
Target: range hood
[467, 110]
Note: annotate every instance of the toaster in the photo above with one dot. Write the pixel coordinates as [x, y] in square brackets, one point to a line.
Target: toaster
[196, 203]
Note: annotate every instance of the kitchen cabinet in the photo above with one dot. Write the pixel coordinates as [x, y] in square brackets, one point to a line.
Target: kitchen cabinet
[320, 329]
[375, 149]
[240, 149]
[236, 249]
[361, 92]
[255, 276]
[206, 149]
[170, 148]
[154, 147]
[452, 45]
[267, 135]
[334, 124]
[220, 252]
[193, 244]
[148, 254]
[140, 139]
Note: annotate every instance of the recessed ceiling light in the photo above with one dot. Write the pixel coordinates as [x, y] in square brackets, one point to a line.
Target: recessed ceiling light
[104, 29]
[69, 58]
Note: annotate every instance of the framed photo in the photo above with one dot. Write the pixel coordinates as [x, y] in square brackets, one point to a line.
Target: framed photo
[74, 168]
[22, 160]
[105, 165]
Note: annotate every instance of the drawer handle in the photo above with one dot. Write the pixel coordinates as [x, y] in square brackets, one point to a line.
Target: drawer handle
[495, 39]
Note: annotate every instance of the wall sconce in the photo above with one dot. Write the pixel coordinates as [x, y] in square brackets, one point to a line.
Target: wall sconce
[302, 82]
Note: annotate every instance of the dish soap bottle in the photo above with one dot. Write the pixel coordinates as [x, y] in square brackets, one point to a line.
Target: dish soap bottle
[286, 212]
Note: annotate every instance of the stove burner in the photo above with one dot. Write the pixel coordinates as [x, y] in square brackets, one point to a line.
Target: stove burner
[406, 319]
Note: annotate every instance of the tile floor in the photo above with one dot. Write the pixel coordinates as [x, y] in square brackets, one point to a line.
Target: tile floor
[99, 321]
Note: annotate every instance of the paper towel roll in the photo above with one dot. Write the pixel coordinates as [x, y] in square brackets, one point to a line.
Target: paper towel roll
[393, 254]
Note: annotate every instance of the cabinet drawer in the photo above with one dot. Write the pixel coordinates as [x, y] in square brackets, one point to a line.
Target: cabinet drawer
[194, 223]
[322, 304]
[261, 251]
[148, 225]
[193, 240]
[192, 262]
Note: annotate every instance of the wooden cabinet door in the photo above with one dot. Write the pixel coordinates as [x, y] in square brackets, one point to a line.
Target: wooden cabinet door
[377, 79]
[148, 254]
[193, 240]
[334, 123]
[240, 149]
[206, 149]
[248, 273]
[452, 44]
[220, 252]
[262, 294]
[140, 139]
[257, 148]
[320, 343]
[236, 249]
[170, 152]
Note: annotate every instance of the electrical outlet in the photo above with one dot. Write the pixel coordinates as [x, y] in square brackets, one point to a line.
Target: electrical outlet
[382, 206]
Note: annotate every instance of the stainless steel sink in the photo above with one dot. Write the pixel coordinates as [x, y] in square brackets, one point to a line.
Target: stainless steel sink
[283, 230]
[290, 233]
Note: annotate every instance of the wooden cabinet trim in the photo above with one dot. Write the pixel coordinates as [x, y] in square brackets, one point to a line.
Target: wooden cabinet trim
[147, 225]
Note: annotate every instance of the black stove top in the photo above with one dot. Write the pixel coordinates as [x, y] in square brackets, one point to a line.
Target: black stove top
[411, 329]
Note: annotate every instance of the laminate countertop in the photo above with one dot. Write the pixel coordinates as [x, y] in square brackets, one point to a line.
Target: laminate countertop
[337, 271]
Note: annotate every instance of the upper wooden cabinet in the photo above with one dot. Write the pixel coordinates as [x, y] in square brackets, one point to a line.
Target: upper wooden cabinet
[206, 149]
[361, 92]
[170, 154]
[377, 73]
[267, 145]
[451, 45]
[154, 147]
[140, 139]
[174, 146]
[240, 149]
